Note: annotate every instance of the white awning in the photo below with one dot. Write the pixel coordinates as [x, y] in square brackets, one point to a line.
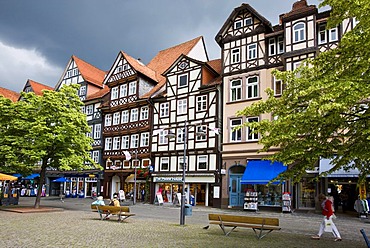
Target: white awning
[325, 165]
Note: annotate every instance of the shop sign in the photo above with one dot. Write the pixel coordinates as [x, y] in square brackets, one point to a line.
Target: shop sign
[168, 179]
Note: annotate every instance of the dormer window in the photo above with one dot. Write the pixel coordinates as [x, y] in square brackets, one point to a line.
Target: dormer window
[238, 24]
[299, 32]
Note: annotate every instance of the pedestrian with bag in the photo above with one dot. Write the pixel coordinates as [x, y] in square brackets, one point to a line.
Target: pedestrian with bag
[327, 225]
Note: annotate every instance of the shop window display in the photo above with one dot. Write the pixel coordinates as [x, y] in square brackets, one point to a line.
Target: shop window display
[269, 195]
[306, 192]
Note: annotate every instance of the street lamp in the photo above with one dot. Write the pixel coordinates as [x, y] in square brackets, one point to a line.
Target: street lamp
[171, 135]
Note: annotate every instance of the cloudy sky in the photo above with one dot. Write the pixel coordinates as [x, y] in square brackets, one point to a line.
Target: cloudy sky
[37, 38]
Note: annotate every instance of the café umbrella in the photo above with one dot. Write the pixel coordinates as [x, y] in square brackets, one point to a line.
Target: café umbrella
[5, 177]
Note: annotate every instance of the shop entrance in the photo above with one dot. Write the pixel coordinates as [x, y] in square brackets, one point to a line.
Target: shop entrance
[236, 191]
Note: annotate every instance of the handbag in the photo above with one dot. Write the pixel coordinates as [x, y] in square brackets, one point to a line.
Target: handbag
[328, 225]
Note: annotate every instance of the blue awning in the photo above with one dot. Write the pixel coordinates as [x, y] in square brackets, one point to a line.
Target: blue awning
[262, 171]
[32, 176]
[17, 175]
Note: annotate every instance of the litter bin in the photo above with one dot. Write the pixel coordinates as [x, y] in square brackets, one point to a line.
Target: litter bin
[192, 200]
[188, 210]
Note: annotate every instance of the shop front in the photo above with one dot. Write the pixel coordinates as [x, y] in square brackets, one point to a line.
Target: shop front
[258, 192]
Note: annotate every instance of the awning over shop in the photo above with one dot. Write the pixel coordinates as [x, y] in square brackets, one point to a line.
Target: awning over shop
[325, 165]
[262, 171]
[32, 176]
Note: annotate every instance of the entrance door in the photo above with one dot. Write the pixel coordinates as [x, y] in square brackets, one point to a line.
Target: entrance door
[235, 191]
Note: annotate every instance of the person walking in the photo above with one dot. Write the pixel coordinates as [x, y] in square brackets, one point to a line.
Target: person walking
[327, 211]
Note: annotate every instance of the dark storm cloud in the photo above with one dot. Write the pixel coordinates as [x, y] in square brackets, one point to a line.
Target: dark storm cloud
[96, 30]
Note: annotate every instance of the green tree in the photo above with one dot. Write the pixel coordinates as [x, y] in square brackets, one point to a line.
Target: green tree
[325, 111]
[48, 129]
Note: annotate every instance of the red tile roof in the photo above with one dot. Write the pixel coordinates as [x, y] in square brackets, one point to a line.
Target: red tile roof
[216, 65]
[12, 95]
[140, 67]
[98, 94]
[37, 87]
[89, 72]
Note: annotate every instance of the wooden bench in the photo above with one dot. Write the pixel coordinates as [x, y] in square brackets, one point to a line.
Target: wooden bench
[122, 212]
[260, 225]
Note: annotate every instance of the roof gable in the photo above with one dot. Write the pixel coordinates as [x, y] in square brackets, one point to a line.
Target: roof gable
[12, 95]
[37, 88]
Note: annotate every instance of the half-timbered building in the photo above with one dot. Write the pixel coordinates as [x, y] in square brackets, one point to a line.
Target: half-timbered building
[35, 87]
[251, 49]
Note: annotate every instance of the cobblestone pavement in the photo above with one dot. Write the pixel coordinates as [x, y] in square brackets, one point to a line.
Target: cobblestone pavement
[158, 226]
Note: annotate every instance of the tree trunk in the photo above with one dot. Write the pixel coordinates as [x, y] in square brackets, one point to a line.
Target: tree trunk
[41, 182]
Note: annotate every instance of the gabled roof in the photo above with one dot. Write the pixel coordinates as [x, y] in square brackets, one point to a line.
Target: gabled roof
[140, 67]
[89, 72]
[12, 95]
[299, 8]
[216, 65]
[38, 87]
[165, 58]
[98, 94]
[235, 12]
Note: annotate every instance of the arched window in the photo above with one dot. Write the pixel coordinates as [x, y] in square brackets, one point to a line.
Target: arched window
[299, 32]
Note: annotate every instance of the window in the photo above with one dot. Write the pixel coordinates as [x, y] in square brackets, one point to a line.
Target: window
[134, 114]
[95, 156]
[272, 46]
[235, 55]
[295, 66]
[280, 44]
[136, 163]
[97, 131]
[250, 135]
[144, 113]
[114, 93]
[116, 118]
[236, 90]
[164, 164]
[180, 135]
[89, 134]
[248, 21]
[182, 106]
[238, 24]
[333, 34]
[108, 144]
[252, 87]
[322, 34]
[75, 72]
[202, 103]
[252, 51]
[124, 118]
[183, 80]
[89, 109]
[201, 133]
[278, 87]
[116, 143]
[299, 32]
[164, 109]
[162, 137]
[108, 120]
[123, 90]
[125, 142]
[144, 139]
[134, 141]
[83, 90]
[236, 135]
[181, 163]
[202, 162]
[132, 88]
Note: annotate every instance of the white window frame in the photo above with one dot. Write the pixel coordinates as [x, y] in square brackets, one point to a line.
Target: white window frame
[180, 162]
[144, 139]
[162, 139]
[89, 134]
[125, 142]
[132, 88]
[201, 103]
[235, 90]
[202, 159]
[182, 106]
[134, 115]
[134, 141]
[164, 161]
[272, 46]
[116, 118]
[185, 82]
[322, 34]
[108, 144]
[278, 87]
[116, 143]
[299, 32]
[252, 88]
[144, 113]
[248, 21]
[331, 32]
[180, 135]
[252, 51]
[236, 135]
[164, 109]
[125, 116]
[108, 120]
[83, 90]
[95, 156]
[123, 90]
[198, 129]
[235, 55]
[238, 24]
[89, 109]
[97, 131]
[251, 136]
[280, 44]
[114, 93]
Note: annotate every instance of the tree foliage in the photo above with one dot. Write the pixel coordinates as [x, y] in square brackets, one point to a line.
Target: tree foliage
[323, 113]
[48, 129]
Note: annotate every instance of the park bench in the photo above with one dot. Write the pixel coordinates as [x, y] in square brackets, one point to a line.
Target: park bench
[260, 225]
[123, 212]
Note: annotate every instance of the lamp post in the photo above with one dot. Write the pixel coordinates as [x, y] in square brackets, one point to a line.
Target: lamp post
[134, 201]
